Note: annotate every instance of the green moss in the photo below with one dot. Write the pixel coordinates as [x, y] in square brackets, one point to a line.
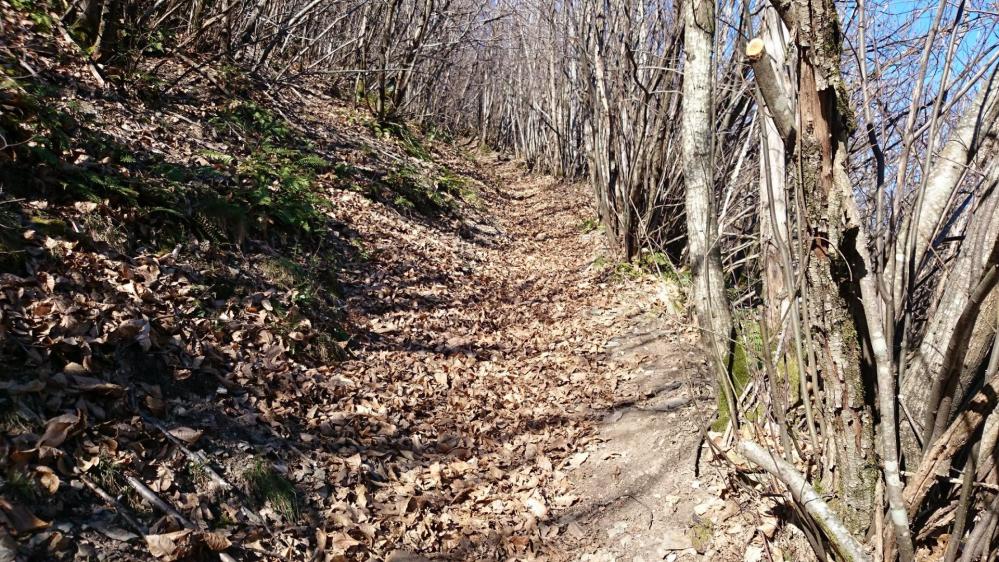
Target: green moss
[267, 487]
[820, 487]
[851, 343]
[701, 533]
[788, 370]
[49, 226]
[745, 361]
[590, 224]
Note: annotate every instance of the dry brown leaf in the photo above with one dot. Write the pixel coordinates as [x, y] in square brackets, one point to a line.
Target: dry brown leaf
[537, 506]
[169, 546]
[214, 541]
[73, 368]
[187, 434]
[341, 542]
[58, 429]
[22, 519]
[578, 459]
[406, 556]
[48, 478]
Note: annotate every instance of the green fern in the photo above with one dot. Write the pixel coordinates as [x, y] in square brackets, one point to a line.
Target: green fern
[217, 157]
[313, 161]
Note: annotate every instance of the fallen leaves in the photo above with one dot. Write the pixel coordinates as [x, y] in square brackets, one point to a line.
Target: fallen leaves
[577, 459]
[48, 479]
[19, 518]
[59, 428]
[476, 360]
[187, 434]
[181, 545]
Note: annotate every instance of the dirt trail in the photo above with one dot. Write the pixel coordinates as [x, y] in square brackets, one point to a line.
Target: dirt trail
[562, 399]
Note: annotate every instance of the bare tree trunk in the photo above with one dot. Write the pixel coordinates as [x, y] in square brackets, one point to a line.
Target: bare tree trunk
[710, 301]
[922, 387]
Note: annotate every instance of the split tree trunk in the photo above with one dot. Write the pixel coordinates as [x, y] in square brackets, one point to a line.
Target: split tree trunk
[838, 280]
[774, 233]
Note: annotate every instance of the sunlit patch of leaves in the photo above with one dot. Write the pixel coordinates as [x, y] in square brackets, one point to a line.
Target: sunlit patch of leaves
[241, 334]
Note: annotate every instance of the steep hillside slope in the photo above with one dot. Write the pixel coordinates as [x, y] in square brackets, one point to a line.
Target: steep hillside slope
[178, 246]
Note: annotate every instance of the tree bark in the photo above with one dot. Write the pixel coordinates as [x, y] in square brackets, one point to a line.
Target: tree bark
[921, 388]
[837, 272]
[710, 301]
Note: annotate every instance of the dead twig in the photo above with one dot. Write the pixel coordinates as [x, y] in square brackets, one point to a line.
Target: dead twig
[845, 544]
[194, 456]
[122, 511]
[158, 503]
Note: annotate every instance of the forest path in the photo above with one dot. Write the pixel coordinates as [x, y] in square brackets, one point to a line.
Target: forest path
[561, 397]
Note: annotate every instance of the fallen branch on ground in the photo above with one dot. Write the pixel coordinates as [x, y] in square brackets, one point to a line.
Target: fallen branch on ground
[803, 493]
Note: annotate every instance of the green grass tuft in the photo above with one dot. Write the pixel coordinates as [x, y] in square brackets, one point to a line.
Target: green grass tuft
[19, 486]
[590, 224]
[267, 487]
